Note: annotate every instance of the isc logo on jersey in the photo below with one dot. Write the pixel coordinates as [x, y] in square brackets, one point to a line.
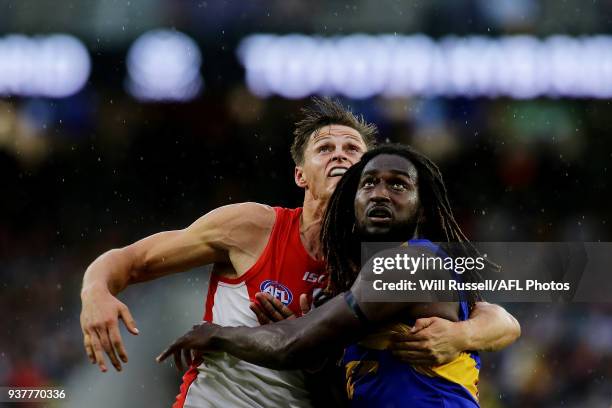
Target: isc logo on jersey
[314, 277]
[278, 290]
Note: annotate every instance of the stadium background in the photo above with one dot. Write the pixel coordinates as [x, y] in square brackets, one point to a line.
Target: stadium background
[101, 168]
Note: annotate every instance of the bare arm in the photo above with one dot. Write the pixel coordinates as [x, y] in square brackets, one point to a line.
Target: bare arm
[432, 340]
[489, 328]
[224, 235]
[294, 343]
[438, 341]
[297, 343]
[212, 238]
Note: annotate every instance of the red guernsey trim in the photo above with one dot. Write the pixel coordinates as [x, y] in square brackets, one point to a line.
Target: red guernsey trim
[210, 298]
[188, 378]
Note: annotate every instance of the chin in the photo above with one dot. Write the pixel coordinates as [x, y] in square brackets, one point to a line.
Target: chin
[376, 232]
[386, 232]
[331, 186]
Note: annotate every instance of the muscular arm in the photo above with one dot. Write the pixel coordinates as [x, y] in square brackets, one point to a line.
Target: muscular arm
[298, 343]
[227, 234]
[291, 343]
[438, 341]
[212, 238]
[489, 328]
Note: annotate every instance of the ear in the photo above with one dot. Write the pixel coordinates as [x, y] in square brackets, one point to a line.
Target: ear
[300, 180]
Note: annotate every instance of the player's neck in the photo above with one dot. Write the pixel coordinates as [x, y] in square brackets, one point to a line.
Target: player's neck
[310, 224]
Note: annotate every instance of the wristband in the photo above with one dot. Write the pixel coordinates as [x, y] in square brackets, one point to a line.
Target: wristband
[354, 306]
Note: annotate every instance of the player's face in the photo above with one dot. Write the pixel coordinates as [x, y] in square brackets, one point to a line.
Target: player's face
[387, 204]
[330, 151]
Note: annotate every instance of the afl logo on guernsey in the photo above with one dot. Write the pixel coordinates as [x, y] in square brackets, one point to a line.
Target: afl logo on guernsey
[277, 290]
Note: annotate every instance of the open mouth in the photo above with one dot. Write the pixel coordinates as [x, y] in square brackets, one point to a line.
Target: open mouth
[380, 214]
[337, 171]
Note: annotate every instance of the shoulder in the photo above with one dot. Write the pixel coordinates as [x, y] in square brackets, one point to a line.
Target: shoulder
[242, 226]
[233, 215]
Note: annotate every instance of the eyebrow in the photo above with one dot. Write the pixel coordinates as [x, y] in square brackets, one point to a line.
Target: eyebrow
[318, 138]
[394, 171]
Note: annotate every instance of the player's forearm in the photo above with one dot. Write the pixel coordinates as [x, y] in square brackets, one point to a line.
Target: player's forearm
[295, 343]
[489, 328]
[152, 257]
[271, 346]
[110, 271]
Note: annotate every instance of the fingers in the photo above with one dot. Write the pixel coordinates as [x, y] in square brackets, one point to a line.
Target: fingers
[128, 320]
[165, 354]
[197, 355]
[304, 303]
[177, 360]
[414, 345]
[187, 357]
[261, 316]
[267, 307]
[105, 339]
[98, 351]
[88, 348]
[402, 337]
[414, 357]
[117, 343]
[178, 352]
[280, 307]
[421, 324]
[108, 348]
[320, 298]
[272, 307]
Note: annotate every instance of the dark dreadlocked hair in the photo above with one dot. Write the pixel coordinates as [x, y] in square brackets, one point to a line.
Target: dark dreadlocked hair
[341, 246]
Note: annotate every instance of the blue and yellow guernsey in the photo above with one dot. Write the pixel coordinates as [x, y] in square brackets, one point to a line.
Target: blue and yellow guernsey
[374, 378]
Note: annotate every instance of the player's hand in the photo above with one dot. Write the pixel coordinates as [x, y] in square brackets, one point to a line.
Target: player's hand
[432, 341]
[190, 344]
[100, 316]
[269, 309]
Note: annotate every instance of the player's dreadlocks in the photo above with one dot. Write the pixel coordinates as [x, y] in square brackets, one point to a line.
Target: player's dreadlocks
[341, 245]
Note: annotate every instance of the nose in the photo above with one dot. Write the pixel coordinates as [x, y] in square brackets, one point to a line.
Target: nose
[380, 193]
[339, 155]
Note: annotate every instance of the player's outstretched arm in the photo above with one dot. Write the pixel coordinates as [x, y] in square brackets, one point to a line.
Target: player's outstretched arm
[212, 238]
[437, 341]
[302, 343]
[288, 344]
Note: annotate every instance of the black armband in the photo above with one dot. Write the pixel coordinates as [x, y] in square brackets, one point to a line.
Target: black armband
[352, 303]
